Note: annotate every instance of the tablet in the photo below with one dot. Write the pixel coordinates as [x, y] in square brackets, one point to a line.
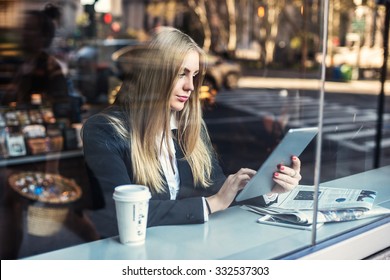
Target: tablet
[293, 144]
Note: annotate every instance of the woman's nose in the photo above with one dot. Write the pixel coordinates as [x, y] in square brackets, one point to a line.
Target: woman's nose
[189, 85]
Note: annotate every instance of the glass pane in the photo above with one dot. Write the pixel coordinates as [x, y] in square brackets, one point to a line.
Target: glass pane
[354, 150]
[262, 79]
[265, 72]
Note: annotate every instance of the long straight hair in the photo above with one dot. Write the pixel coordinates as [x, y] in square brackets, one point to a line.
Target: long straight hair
[145, 98]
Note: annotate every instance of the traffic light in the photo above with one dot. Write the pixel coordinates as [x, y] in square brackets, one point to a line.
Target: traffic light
[107, 18]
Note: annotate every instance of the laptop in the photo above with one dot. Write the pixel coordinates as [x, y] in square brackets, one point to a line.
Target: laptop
[293, 144]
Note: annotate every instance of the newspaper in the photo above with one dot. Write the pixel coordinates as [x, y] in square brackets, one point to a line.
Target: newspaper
[271, 220]
[302, 197]
[335, 205]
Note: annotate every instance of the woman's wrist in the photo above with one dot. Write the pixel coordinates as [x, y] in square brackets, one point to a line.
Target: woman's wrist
[215, 203]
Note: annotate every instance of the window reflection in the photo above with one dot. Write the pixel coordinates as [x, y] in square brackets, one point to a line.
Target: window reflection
[264, 77]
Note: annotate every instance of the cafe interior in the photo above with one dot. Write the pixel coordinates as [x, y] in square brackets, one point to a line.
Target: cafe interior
[318, 63]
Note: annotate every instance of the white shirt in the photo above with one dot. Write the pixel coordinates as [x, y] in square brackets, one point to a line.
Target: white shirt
[169, 164]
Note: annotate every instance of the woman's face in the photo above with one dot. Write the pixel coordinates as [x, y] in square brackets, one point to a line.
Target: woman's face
[185, 83]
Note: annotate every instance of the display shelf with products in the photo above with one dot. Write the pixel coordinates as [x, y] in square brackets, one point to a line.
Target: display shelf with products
[34, 134]
[42, 157]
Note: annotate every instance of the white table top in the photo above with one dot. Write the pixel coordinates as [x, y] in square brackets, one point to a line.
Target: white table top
[230, 234]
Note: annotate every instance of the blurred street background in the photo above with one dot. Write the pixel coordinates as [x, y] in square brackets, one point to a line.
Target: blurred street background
[264, 77]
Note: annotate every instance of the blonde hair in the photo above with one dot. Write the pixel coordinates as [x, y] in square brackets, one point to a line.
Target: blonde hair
[146, 100]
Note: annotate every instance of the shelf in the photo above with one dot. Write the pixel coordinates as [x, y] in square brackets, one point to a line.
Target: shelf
[42, 157]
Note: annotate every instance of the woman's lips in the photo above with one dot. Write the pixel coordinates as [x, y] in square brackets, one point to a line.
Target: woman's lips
[182, 98]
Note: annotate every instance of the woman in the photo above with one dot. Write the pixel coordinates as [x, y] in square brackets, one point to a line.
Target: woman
[154, 135]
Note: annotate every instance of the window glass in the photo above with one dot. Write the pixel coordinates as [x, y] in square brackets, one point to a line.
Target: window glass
[267, 73]
[354, 151]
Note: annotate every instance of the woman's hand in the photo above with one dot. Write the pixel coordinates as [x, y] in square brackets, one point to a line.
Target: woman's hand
[287, 178]
[227, 193]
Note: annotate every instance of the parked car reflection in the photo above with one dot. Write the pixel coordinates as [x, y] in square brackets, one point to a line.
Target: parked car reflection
[221, 73]
[98, 69]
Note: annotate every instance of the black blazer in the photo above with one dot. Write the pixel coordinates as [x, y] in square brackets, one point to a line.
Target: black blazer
[108, 160]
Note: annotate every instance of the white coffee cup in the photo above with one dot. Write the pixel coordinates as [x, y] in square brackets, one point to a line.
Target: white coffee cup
[132, 204]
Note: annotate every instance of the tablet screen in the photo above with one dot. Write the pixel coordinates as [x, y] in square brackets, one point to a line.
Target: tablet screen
[293, 144]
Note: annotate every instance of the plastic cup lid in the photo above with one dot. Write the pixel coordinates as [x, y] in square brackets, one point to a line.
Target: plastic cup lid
[131, 193]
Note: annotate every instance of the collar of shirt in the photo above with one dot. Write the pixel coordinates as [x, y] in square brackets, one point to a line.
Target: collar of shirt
[173, 122]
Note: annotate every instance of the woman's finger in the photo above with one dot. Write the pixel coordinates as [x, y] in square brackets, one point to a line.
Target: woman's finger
[296, 163]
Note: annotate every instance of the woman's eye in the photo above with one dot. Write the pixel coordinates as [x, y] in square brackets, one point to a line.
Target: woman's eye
[182, 75]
